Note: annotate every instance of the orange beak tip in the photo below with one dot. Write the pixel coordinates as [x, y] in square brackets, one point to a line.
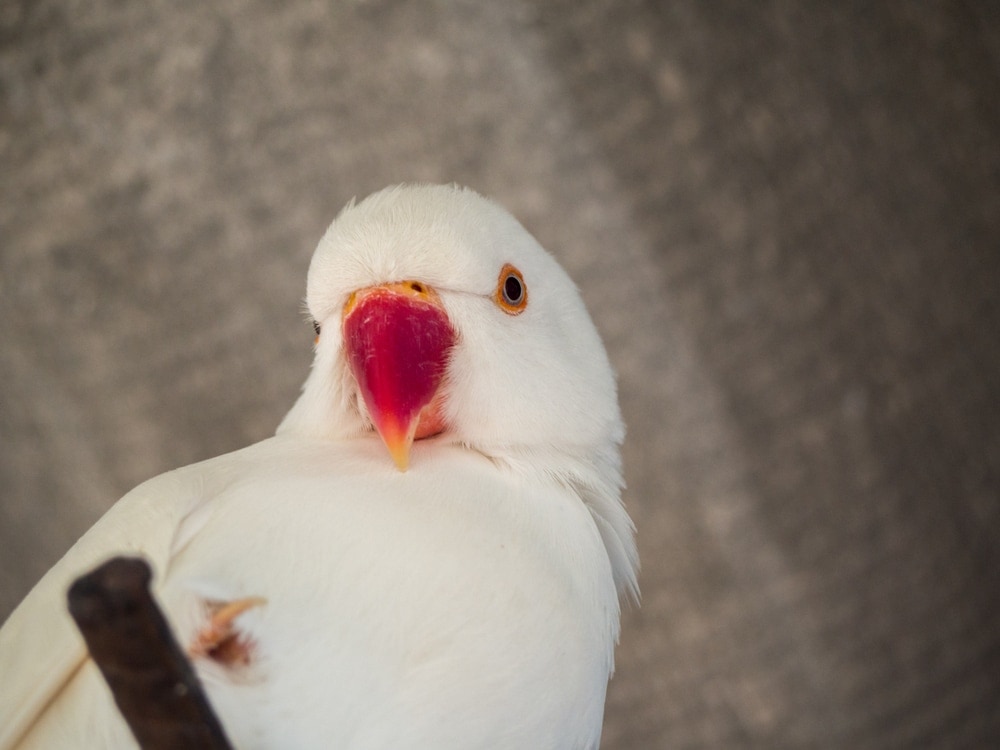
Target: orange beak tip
[398, 438]
[401, 457]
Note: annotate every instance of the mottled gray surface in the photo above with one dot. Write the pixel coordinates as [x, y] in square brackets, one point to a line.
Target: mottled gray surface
[785, 219]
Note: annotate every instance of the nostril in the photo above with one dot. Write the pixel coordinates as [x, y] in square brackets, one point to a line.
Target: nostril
[417, 287]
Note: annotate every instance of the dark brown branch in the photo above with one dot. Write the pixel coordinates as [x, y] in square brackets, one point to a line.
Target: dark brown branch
[152, 681]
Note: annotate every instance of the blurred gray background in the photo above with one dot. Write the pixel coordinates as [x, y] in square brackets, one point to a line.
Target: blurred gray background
[784, 217]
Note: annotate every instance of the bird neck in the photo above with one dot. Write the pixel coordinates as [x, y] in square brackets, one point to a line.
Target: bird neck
[594, 474]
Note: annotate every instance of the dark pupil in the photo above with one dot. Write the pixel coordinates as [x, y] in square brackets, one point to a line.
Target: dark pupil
[512, 289]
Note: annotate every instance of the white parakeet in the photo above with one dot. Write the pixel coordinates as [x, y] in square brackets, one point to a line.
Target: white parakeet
[460, 592]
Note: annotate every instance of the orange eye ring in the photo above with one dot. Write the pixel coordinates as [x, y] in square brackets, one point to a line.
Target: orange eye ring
[512, 292]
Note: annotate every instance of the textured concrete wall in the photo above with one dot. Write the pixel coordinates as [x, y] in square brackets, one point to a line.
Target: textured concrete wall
[785, 219]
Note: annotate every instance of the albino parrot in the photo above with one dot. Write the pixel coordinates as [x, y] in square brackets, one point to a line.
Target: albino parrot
[458, 591]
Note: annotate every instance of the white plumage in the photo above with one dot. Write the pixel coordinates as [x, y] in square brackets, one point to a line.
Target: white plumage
[471, 601]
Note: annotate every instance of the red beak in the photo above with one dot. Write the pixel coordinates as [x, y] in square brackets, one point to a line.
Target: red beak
[398, 338]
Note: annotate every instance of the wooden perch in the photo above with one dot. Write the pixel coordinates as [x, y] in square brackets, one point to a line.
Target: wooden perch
[151, 679]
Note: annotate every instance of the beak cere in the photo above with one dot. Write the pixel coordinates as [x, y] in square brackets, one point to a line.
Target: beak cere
[397, 338]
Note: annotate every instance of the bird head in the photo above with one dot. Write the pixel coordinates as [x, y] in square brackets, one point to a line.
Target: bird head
[438, 314]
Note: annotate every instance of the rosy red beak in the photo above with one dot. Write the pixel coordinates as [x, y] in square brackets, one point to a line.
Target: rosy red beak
[398, 339]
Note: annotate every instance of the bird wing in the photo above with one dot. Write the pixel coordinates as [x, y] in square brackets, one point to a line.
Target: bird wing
[40, 648]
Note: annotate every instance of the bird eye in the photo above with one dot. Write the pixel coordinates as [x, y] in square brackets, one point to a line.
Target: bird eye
[512, 293]
[316, 327]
